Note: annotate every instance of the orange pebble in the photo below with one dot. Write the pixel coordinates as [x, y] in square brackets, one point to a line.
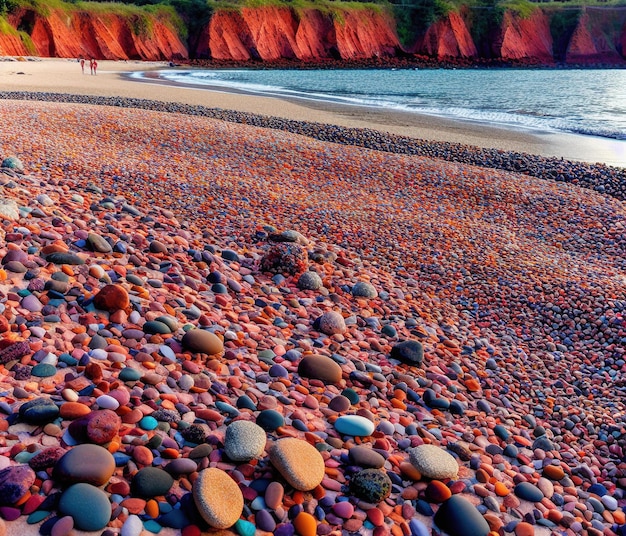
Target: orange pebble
[501, 489]
[305, 524]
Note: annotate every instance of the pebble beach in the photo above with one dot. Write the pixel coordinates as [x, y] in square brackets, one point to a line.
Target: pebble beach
[220, 322]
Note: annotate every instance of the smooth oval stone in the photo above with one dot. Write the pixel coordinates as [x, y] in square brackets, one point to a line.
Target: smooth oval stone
[148, 423]
[88, 506]
[244, 441]
[132, 526]
[459, 517]
[366, 457]
[202, 341]
[319, 367]
[43, 370]
[409, 352]
[181, 466]
[38, 411]
[151, 481]
[343, 509]
[91, 464]
[107, 402]
[310, 281]
[528, 492]
[362, 289]
[274, 494]
[15, 482]
[339, 404]
[433, 462]
[332, 323]
[270, 420]
[112, 298]
[129, 374]
[299, 462]
[265, 521]
[156, 327]
[218, 498]
[98, 243]
[354, 425]
[371, 485]
[60, 257]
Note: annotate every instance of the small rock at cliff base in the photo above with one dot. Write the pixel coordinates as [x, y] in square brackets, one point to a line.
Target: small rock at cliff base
[459, 517]
[300, 464]
[364, 290]
[112, 298]
[319, 367]
[244, 441]
[332, 323]
[88, 506]
[14, 163]
[285, 258]
[15, 481]
[218, 498]
[310, 281]
[9, 209]
[371, 485]
[90, 464]
[409, 352]
[433, 462]
[202, 341]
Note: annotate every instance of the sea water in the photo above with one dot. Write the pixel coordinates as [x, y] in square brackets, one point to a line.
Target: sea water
[582, 101]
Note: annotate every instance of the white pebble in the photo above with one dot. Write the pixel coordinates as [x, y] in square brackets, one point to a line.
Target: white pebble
[98, 353]
[132, 526]
[107, 402]
[609, 502]
[50, 359]
[70, 395]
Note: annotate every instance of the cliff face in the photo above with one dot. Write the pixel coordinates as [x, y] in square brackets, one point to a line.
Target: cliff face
[448, 38]
[272, 34]
[599, 37]
[106, 36]
[275, 33]
[527, 39]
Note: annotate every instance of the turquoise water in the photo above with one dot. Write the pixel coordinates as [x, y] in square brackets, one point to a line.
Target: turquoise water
[590, 101]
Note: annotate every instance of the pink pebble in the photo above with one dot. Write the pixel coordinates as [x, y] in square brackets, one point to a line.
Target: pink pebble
[274, 495]
[343, 509]
[63, 526]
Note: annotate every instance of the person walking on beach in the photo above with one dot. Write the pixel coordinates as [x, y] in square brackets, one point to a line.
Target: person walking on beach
[82, 64]
[95, 66]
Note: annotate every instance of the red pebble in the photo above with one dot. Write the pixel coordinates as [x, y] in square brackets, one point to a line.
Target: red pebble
[190, 530]
[437, 492]
[376, 517]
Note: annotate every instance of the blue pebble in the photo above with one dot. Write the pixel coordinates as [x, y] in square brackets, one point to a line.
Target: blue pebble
[148, 423]
[424, 508]
[418, 528]
[152, 526]
[245, 528]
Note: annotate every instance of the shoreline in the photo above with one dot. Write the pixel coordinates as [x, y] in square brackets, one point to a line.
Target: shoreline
[63, 75]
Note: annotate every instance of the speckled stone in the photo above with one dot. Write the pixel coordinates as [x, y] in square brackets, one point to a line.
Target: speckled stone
[218, 498]
[433, 462]
[88, 506]
[310, 281]
[371, 485]
[202, 341]
[15, 481]
[332, 323]
[300, 464]
[91, 464]
[244, 441]
[459, 517]
[319, 367]
[362, 289]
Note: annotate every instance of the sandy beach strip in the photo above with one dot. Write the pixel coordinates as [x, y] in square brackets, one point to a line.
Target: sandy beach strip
[64, 75]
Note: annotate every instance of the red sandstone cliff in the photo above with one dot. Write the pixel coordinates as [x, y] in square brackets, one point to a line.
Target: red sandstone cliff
[526, 39]
[448, 38]
[103, 35]
[274, 33]
[599, 37]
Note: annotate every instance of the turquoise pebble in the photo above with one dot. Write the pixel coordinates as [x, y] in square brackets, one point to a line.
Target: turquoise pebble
[25, 456]
[68, 360]
[43, 370]
[89, 506]
[245, 528]
[37, 516]
[354, 425]
[164, 507]
[148, 423]
[156, 327]
[152, 526]
[129, 374]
